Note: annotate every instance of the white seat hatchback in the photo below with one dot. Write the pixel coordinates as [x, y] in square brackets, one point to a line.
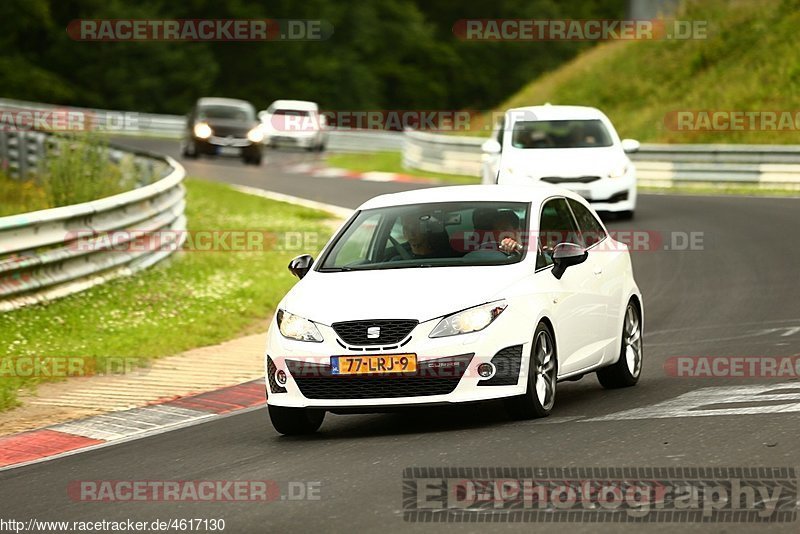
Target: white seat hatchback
[452, 295]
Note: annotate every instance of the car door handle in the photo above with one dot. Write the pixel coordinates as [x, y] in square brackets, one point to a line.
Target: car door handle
[598, 271]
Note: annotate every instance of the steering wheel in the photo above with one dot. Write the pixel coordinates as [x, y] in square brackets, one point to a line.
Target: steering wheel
[400, 250]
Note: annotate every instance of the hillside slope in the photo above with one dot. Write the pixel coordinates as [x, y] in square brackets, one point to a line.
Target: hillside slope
[750, 61]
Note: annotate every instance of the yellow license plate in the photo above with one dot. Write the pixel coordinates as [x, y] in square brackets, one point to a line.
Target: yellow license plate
[369, 365]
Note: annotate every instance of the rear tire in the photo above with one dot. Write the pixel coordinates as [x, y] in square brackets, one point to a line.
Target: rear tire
[540, 396]
[628, 368]
[295, 421]
[625, 215]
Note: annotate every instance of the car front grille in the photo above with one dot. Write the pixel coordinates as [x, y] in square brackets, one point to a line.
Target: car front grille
[570, 180]
[391, 331]
[439, 376]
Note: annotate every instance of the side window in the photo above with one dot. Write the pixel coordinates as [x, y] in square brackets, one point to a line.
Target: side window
[555, 226]
[501, 129]
[591, 229]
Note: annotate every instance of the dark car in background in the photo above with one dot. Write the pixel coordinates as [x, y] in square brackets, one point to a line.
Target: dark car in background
[223, 127]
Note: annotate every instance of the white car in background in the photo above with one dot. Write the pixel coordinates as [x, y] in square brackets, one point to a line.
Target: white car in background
[414, 303]
[295, 123]
[575, 147]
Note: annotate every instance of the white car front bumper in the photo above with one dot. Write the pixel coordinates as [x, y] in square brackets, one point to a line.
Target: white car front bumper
[605, 194]
[447, 370]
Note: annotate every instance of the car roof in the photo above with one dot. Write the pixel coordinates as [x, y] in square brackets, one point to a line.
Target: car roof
[548, 112]
[535, 193]
[217, 101]
[300, 105]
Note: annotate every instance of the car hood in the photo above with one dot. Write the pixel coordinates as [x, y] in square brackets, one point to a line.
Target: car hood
[413, 293]
[226, 127]
[564, 162]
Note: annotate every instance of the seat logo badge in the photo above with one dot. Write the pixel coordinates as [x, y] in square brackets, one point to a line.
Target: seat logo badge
[373, 332]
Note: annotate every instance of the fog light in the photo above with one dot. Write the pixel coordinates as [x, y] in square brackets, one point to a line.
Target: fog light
[280, 377]
[486, 370]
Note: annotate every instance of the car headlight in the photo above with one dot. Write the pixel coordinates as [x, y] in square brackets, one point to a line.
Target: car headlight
[619, 172]
[294, 327]
[470, 320]
[202, 130]
[256, 135]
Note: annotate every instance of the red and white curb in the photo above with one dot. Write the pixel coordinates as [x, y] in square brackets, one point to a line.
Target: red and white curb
[125, 425]
[372, 176]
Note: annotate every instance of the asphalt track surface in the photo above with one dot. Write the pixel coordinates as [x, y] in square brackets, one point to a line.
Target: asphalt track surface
[736, 296]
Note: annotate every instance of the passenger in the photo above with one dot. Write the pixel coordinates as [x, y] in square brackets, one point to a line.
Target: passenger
[506, 229]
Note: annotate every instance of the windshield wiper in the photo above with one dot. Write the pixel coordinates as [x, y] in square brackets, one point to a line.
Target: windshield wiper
[337, 269]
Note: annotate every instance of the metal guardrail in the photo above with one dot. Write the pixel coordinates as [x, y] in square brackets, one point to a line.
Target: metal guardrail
[173, 126]
[447, 154]
[656, 164]
[52, 253]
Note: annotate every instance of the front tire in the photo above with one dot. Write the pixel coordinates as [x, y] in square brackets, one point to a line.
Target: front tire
[628, 369]
[540, 396]
[295, 421]
[189, 150]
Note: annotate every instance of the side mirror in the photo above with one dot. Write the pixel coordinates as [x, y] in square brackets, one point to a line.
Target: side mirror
[566, 255]
[263, 115]
[491, 146]
[630, 146]
[300, 265]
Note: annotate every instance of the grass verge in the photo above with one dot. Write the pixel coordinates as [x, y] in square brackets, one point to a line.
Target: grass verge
[192, 300]
[749, 61]
[710, 189]
[393, 162]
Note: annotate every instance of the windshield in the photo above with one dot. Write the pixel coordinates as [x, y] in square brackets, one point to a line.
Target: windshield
[429, 235]
[292, 112]
[226, 112]
[560, 134]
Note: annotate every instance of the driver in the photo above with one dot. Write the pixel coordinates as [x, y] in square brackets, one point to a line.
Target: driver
[422, 239]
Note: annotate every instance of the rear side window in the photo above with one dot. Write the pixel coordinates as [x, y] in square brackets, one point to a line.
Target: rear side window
[591, 229]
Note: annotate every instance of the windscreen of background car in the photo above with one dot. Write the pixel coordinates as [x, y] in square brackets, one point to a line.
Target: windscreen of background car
[237, 113]
[560, 134]
[294, 120]
[429, 235]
